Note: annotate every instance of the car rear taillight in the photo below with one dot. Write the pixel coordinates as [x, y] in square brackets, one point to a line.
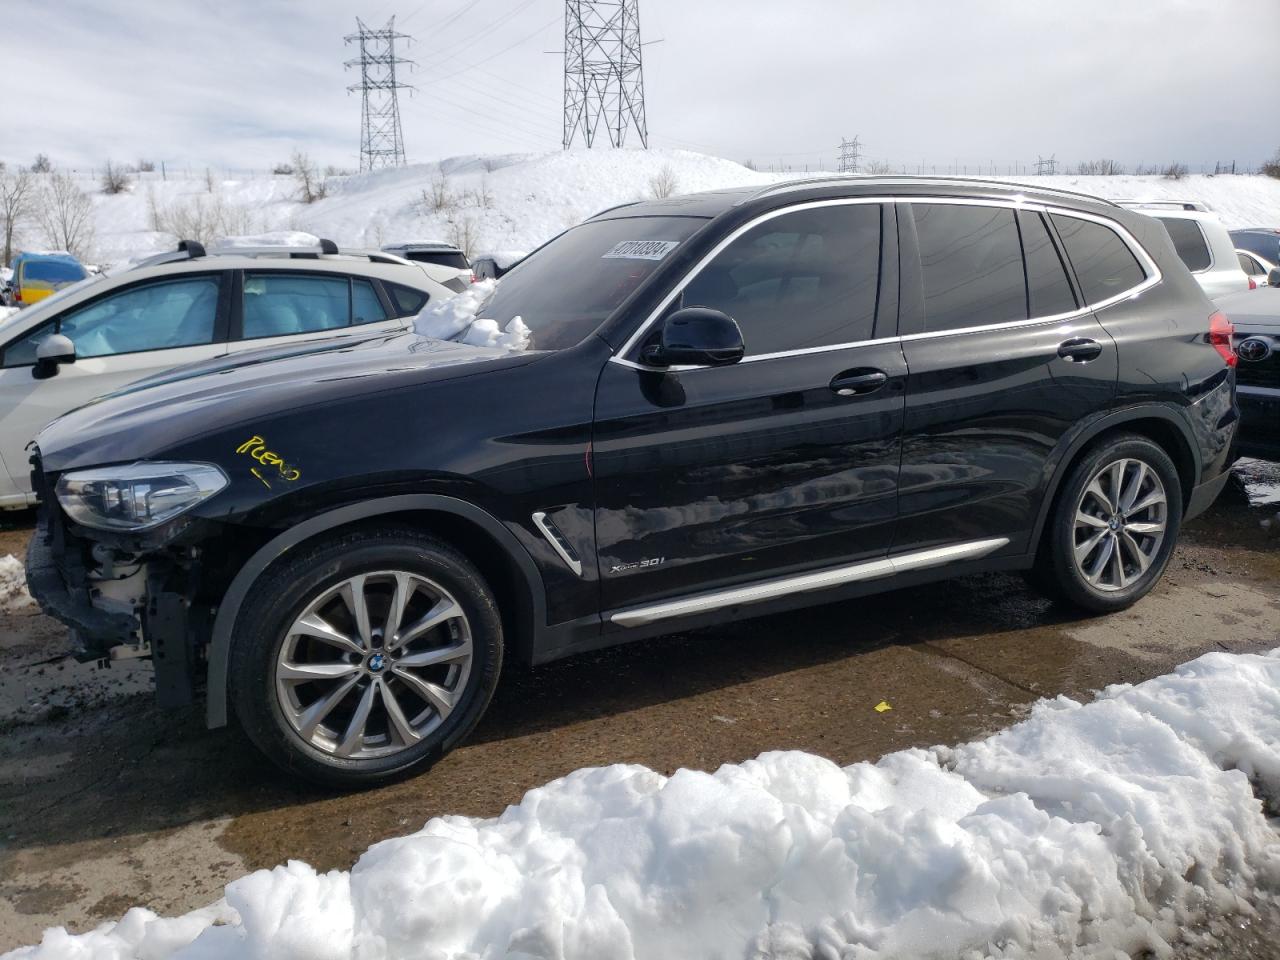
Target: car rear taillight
[1220, 333]
[474, 278]
[1252, 284]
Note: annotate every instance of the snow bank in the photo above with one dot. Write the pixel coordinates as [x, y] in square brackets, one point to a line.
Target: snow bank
[272, 238]
[13, 585]
[1084, 830]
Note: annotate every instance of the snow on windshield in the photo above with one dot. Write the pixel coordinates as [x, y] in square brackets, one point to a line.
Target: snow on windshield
[455, 319]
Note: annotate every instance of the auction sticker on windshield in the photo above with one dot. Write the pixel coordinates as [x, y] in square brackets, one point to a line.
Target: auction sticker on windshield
[641, 250]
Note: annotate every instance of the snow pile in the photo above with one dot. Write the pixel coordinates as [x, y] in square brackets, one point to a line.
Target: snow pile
[272, 238]
[7, 312]
[1084, 830]
[445, 319]
[13, 586]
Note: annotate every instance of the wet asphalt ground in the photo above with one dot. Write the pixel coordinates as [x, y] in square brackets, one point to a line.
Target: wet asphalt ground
[107, 802]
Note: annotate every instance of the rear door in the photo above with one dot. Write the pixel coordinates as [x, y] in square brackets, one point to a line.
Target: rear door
[785, 461]
[282, 306]
[124, 335]
[1002, 362]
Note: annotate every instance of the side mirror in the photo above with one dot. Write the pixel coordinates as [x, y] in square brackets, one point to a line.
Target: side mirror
[697, 336]
[1273, 277]
[52, 352]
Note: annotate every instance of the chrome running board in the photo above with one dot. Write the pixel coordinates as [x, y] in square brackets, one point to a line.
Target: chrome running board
[807, 582]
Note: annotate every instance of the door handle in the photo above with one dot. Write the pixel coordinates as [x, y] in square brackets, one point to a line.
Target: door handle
[856, 382]
[1079, 350]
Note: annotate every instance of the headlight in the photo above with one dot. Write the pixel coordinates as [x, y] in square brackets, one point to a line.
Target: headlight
[136, 496]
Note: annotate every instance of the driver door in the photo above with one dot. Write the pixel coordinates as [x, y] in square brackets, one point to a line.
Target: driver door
[124, 335]
[786, 461]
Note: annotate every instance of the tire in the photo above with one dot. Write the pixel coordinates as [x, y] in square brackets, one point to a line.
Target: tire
[329, 697]
[1075, 563]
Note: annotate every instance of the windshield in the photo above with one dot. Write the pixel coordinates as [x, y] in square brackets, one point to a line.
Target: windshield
[52, 271]
[565, 290]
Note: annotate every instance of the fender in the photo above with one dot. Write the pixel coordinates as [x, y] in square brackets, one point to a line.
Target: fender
[1074, 443]
[219, 652]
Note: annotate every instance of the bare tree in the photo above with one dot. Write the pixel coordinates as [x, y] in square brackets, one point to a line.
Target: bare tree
[1174, 171]
[1100, 168]
[17, 190]
[1272, 167]
[440, 197]
[65, 214]
[663, 183]
[210, 183]
[115, 178]
[464, 235]
[41, 164]
[282, 170]
[146, 166]
[311, 185]
[877, 168]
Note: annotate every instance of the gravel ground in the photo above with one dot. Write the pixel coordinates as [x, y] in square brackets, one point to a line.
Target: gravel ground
[106, 801]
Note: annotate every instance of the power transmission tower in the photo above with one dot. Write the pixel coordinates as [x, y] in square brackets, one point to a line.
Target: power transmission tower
[603, 72]
[381, 139]
[850, 154]
[1044, 166]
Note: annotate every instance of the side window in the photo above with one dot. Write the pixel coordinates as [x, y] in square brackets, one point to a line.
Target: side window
[279, 304]
[803, 279]
[365, 305]
[1249, 265]
[1048, 289]
[972, 265]
[1188, 239]
[406, 300]
[152, 316]
[1104, 264]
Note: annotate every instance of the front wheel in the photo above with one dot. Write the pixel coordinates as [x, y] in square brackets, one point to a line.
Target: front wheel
[365, 657]
[1114, 525]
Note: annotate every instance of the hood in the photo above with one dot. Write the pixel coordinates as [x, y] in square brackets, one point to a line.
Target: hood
[1252, 308]
[162, 411]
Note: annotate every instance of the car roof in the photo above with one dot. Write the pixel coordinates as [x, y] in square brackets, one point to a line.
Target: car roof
[423, 247]
[61, 256]
[715, 202]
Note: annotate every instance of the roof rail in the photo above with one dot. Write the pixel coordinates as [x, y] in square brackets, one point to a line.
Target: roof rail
[1199, 205]
[909, 179]
[194, 250]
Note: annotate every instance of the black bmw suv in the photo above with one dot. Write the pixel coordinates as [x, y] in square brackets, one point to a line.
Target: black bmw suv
[718, 405]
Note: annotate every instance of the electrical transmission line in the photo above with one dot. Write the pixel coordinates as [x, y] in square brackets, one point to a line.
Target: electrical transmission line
[1048, 166]
[603, 72]
[381, 138]
[850, 154]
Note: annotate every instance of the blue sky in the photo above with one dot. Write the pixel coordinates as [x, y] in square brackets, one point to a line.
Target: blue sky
[240, 84]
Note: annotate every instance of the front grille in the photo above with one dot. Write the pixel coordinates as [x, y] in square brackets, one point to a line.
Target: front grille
[1261, 373]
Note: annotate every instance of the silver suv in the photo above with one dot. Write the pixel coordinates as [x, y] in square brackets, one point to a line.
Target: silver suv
[181, 307]
[1202, 243]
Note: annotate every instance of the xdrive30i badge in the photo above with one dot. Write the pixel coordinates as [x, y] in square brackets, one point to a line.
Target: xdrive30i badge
[1254, 349]
[637, 565]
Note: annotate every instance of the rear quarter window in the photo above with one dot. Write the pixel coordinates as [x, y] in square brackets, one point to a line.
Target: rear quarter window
[1104, 264]
[1188, 239]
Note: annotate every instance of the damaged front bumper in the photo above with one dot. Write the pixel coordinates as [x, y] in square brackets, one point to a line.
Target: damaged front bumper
[60, 585]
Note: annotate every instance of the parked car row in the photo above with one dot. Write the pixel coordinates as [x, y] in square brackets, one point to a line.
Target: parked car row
[35, 276]
[728, 404]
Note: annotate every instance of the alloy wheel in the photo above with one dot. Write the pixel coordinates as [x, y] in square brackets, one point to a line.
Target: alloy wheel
[374, 664]
[1119, 524]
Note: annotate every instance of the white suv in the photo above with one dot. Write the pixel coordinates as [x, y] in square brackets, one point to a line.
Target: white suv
[1202, 243]
[178, 308]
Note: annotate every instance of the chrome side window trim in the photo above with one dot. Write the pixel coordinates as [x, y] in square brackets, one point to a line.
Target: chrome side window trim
[807, 582]
[1149, 268]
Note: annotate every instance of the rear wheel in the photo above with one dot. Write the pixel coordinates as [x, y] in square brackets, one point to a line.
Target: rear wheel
[1114, 525]
[366, 657]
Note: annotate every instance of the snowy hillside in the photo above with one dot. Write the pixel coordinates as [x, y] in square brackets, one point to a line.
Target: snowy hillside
[512, 202]
[1095, 830]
